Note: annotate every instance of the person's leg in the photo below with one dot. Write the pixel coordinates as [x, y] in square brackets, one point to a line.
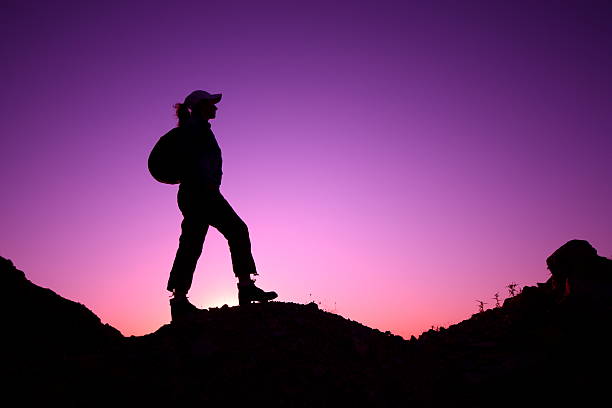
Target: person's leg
[194, 227]
[235, 230]
[191, 241]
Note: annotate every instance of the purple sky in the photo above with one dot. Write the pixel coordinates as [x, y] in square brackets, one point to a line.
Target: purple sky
[395, 161]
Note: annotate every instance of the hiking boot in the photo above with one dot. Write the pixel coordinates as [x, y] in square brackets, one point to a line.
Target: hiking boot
[248, 293]
[181, 309]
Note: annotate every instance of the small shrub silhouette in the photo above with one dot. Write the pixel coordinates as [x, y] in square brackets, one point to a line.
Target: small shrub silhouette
[497, 300]
[512, 290]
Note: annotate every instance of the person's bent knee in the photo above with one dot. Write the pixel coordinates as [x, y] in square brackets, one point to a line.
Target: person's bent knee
[242, 230]
[238, 232]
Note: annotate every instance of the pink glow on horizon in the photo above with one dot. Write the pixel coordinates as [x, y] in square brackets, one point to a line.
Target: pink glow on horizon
[393, 162]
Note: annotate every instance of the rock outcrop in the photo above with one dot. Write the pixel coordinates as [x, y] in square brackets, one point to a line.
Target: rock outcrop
[578, 271]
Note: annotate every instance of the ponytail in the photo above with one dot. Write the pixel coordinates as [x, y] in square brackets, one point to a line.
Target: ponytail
[182, 113]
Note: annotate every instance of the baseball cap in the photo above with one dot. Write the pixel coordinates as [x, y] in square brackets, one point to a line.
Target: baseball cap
[196, 96]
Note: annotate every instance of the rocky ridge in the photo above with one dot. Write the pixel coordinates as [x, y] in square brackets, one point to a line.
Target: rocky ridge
[547, 344]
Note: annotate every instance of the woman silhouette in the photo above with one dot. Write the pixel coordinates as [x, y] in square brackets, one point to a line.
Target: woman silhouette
[202, 205]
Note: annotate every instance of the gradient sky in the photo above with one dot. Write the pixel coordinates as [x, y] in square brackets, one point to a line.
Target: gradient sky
[395, 161]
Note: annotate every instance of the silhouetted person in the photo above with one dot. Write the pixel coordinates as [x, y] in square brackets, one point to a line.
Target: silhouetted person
[202, 205]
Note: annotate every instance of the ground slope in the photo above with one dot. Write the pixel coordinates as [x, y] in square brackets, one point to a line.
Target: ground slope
[547, 345]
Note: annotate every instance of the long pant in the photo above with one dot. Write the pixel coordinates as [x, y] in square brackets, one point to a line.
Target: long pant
[203, 207]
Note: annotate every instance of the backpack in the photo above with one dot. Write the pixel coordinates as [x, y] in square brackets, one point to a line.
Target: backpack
[165, 159]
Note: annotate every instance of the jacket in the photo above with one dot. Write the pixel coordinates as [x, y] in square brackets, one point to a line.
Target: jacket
[203, 162]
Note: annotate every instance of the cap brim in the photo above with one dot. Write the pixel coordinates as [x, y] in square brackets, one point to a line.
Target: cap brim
[216, 98]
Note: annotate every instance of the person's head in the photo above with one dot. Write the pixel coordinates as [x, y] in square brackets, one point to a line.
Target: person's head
[205, 109]
[199, 104]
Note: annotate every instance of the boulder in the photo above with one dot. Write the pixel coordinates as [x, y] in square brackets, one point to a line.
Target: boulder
[579, 272]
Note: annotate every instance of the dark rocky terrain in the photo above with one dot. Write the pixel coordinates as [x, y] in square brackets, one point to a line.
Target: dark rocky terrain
[549, 345]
